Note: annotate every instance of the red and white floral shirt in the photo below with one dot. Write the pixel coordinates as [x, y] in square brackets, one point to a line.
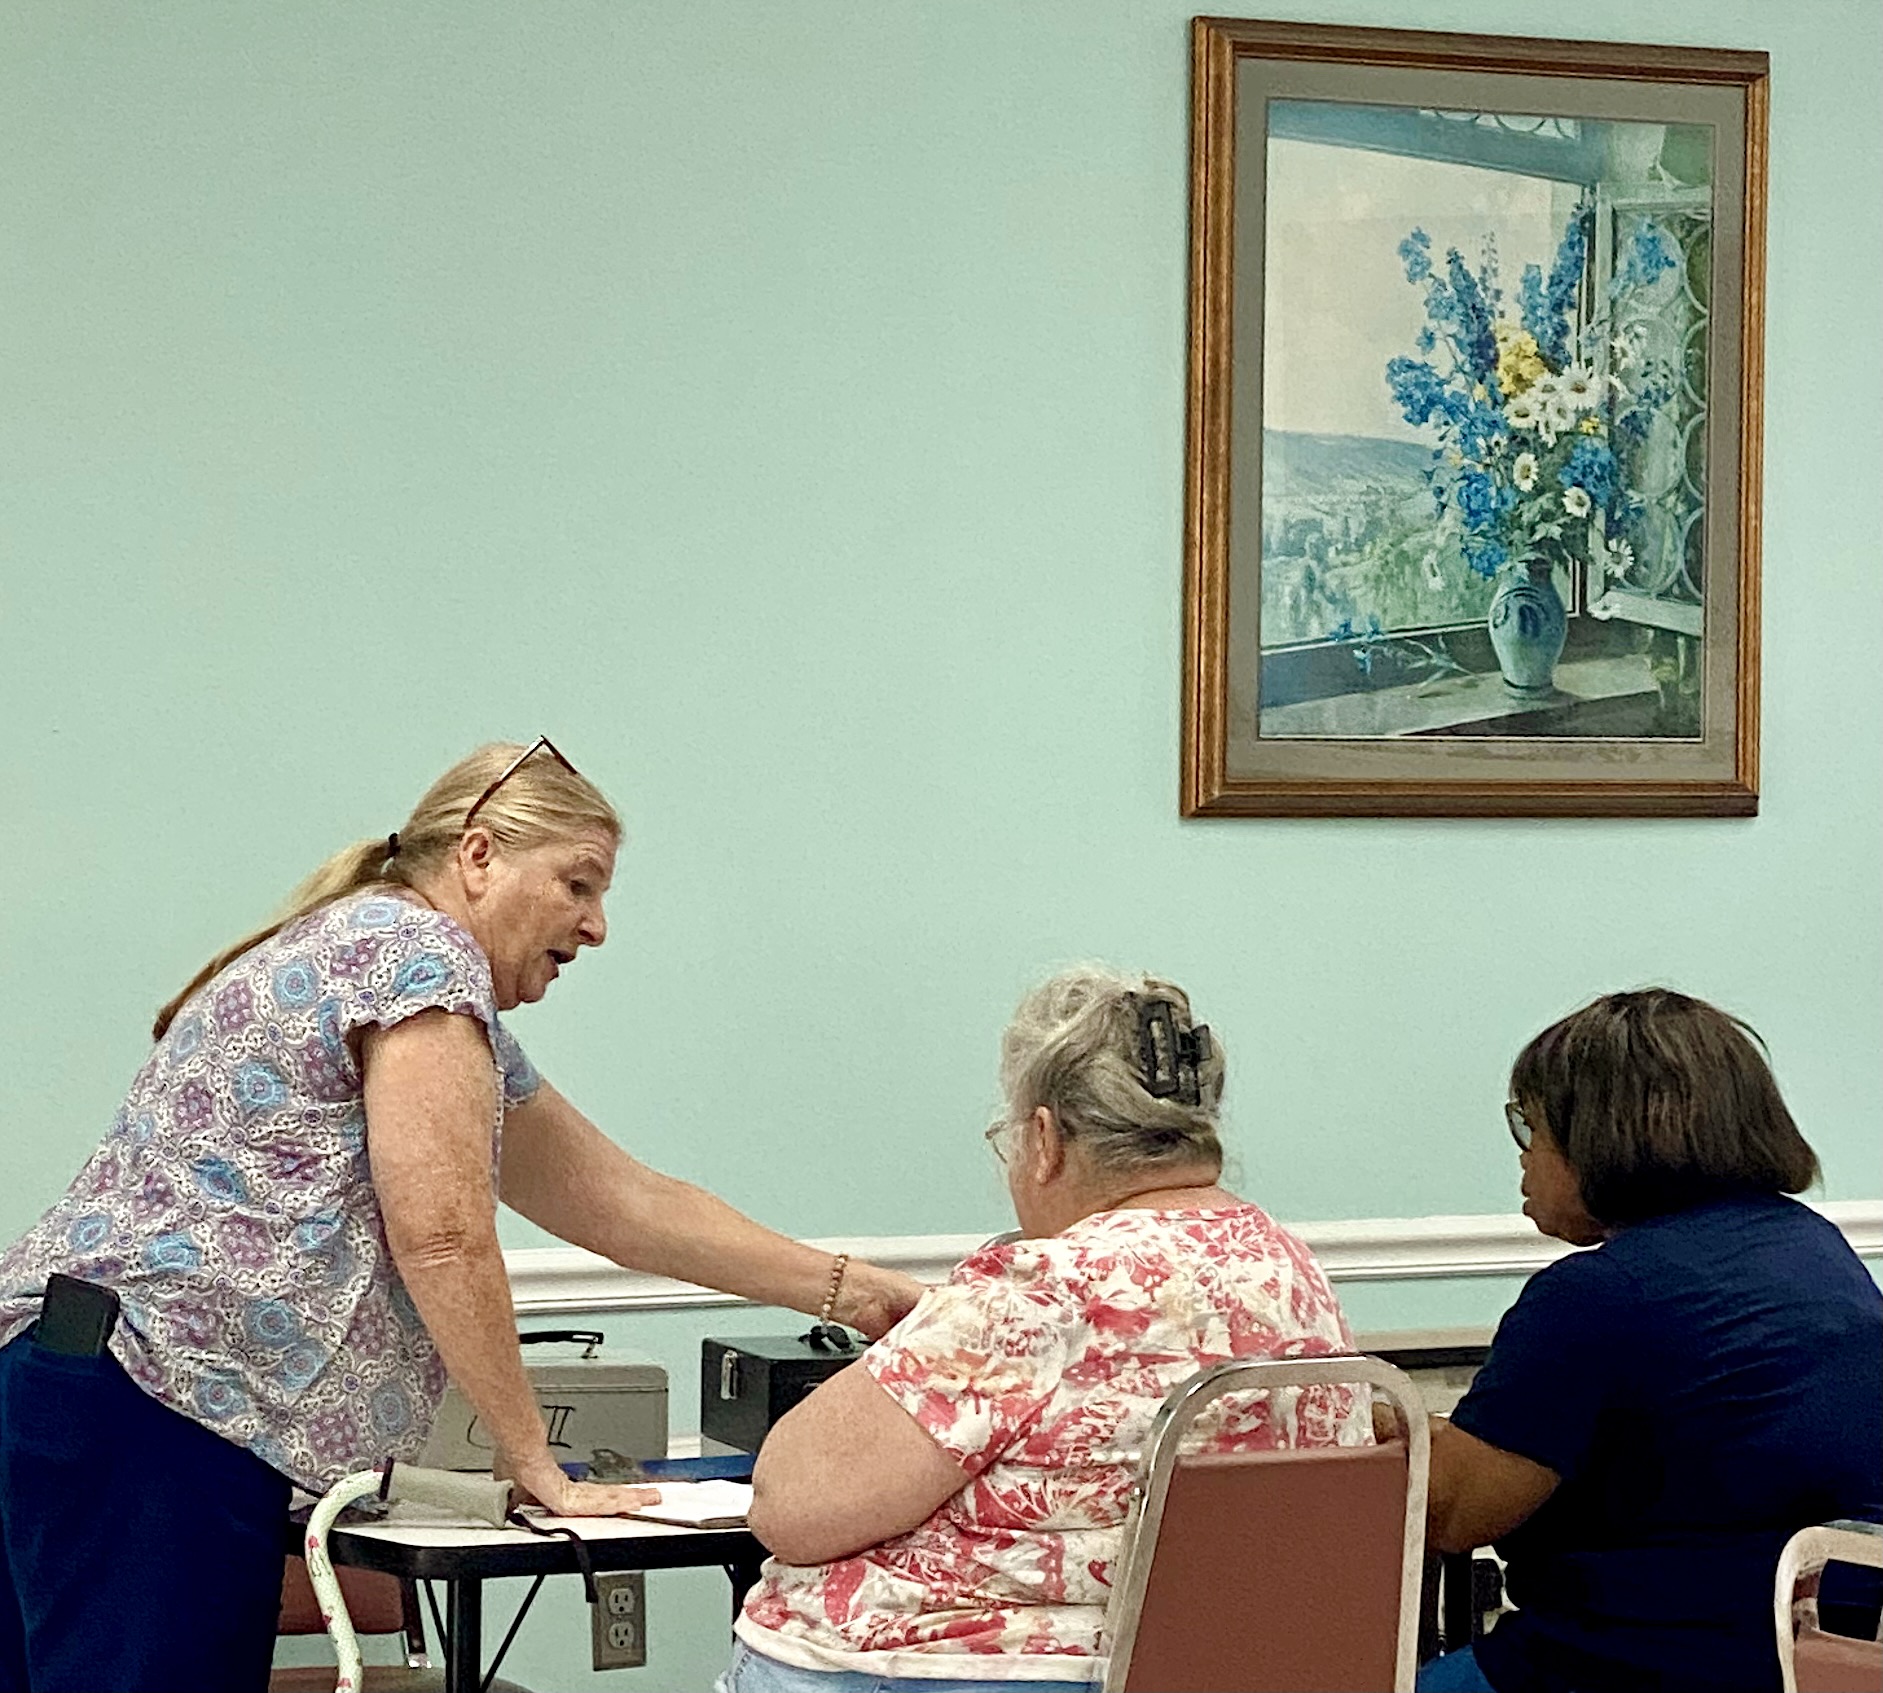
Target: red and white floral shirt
[1039, 1367]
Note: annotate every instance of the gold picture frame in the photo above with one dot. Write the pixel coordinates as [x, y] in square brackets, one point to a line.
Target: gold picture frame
[1415, 460]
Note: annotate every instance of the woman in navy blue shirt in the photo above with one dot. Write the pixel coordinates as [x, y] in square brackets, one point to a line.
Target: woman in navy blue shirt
[1658, 1415]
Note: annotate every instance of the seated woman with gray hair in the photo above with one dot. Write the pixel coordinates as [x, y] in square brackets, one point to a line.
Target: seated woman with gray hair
[945, 1512]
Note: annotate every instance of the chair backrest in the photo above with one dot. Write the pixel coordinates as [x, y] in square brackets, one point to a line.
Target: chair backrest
[376, 1602]
[1277, 1571]
[1809, 1660]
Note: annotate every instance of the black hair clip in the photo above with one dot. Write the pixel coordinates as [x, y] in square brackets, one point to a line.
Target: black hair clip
[1169, 1057]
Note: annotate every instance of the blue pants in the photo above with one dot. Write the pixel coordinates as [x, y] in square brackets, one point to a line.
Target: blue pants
[1456, 1672]
[753, 1672]
[139, 1553]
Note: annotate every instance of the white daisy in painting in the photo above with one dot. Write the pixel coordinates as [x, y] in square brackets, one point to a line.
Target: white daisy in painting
[1576, 501]
[1621, 558]
[1559, 417]
[1523, 472]
[1579, 387]
[1524, 412]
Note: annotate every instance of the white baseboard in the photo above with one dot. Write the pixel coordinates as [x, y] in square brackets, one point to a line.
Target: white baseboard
[1352, 1249]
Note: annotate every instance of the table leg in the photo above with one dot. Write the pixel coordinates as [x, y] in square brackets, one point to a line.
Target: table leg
[1458, 1624]
[464, 1635]
[742, 1573]
[1430, 1641]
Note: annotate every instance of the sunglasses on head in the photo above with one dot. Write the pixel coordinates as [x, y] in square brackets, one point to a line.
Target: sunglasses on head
[542, 743]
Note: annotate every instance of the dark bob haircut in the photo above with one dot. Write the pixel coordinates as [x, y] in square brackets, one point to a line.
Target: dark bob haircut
[1660, 1102]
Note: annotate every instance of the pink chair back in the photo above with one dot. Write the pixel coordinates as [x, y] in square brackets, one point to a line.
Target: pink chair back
[375, 1601]
[1293, 1571]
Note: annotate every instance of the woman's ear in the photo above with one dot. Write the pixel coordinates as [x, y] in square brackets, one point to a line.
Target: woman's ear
[1046, 1145]
[475, 851]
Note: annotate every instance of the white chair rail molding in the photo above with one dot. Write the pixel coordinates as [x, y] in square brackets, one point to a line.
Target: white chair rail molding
[545, 1280]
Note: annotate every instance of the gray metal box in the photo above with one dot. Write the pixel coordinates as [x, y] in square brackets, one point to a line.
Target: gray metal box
[594, 1402]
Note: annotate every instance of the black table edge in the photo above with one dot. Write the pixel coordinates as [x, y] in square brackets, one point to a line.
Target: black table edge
[545, 1555]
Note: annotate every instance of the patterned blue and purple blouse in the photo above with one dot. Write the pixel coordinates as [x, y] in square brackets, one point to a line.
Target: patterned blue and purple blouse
[232, 1209]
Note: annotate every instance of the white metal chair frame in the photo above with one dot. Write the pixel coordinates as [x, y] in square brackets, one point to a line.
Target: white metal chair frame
[1176, 1417]
[1808, 1550]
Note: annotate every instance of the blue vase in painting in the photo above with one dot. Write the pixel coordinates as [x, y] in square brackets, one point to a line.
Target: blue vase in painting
[1527, 628]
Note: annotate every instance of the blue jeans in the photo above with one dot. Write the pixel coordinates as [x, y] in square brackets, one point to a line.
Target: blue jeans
[1456, 1672]
[753, 1672]
[104, 1491]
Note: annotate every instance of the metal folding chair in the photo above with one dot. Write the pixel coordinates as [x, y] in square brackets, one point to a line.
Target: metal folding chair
[1809, 1660]
[378, 1605]
[1288, 1571]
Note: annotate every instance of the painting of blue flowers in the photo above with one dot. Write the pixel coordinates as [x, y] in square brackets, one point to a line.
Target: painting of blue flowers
[1473, 341]
[1476, 366]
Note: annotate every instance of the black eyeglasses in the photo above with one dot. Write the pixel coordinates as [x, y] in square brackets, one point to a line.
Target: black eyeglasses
[1519, 1125]
[996, 1136]
[542, 743]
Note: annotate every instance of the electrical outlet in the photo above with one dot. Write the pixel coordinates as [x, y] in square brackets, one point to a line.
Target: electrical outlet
[618, 1620]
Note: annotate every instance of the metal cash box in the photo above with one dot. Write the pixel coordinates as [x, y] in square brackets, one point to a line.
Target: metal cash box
[598, 1409]
[748, 1383]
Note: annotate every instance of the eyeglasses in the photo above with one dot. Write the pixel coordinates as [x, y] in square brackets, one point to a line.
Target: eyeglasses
[542, 743]
[996, 1136]
[1520, 1130]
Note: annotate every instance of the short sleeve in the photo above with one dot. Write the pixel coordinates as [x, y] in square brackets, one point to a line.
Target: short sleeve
[975, 1362]
[520, 1077]
[1559, 1359]
[401, 959]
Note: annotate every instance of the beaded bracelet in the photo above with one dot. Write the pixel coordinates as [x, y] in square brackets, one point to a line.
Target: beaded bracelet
[837, 1267]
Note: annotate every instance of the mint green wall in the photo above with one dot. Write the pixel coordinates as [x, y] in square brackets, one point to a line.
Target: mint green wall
[782, 406]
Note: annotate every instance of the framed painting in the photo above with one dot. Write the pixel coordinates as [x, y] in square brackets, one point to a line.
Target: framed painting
[1472, 504]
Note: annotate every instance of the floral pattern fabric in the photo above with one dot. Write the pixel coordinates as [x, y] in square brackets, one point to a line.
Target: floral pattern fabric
[1038, 1367]
[231, 1206]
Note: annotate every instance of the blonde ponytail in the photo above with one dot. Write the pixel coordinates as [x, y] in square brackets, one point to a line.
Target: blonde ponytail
[541, 800]
[349, 870]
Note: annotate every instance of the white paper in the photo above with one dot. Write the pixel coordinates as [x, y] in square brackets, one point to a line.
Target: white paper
[694, 1504]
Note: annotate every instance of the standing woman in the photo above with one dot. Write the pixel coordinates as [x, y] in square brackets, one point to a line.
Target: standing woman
[288, 1237]
[1658, 1416]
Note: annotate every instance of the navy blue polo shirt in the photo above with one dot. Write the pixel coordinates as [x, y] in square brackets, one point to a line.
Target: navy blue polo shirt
[1705, 1383]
